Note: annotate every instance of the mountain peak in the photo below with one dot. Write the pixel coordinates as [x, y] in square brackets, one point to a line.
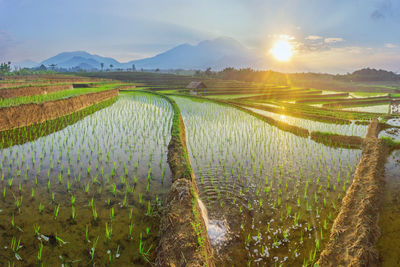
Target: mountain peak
[216, 53]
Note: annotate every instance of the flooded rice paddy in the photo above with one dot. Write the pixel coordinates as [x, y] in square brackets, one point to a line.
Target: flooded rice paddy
[374, 109]
[342, 129]
[90, 193]
[389, 217]
[271, 197]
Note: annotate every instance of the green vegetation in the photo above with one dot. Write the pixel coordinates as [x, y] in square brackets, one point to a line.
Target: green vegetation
[390, 142]
[29, 133]
[271, 172]
[46, 183]
[243, 172]
[7, 102]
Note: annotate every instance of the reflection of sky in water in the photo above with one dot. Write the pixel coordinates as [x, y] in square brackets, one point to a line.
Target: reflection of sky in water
[343, 129]
[244, 167]
[393, 133]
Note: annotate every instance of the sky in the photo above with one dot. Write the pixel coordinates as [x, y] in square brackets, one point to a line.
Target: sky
[328, 35]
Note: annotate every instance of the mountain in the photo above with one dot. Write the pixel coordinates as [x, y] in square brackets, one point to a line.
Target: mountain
[82, 59]
[217, 54]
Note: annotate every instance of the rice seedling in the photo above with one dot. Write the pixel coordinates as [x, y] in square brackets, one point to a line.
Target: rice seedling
[94, 212]
[56, 211]
[39, 255]
[52, 172]
[280, 174]
[108, 232]
[93, 250]
[41, 207]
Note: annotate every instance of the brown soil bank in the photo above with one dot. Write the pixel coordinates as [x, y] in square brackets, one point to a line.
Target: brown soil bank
[355, 230]
[184, 239]
[33, 90]
[337, 140]
[29, 114]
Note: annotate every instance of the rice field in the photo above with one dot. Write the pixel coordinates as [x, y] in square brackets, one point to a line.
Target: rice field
[384, 109]
[271, 196]
[389, 221]
[90, 188]
[15, 101]
[90, 193]
[343, 129]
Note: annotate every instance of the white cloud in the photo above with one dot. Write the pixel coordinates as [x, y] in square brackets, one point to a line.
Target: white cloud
[389, 45]
[333, 40]
[346, 59]
[313, 37]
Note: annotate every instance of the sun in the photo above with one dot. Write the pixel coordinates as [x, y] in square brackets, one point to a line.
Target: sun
[282, 50]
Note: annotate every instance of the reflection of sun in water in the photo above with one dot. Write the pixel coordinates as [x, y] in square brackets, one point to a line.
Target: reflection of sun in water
[283, 117]
[282, 50]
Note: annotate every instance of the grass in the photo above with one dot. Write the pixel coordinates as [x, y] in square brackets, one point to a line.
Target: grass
[391, 143]
[37, 99]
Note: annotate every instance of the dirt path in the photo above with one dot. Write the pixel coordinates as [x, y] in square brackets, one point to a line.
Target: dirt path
[184, 240]
[355, 230]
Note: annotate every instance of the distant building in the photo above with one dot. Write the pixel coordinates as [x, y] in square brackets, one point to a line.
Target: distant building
[195, 88]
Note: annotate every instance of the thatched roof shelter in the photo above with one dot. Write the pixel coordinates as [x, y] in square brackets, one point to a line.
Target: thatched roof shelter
[196, 85]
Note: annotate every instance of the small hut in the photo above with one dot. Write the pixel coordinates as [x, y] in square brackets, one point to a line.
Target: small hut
[195, 87]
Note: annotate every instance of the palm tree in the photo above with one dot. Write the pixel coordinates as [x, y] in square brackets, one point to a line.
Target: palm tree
[111, 66]
[102, 66]
[52, 66]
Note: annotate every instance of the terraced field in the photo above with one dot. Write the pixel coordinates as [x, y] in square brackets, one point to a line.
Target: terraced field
[259, 173]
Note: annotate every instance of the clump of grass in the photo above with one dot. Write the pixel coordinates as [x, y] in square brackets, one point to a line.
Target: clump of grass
[390, 142]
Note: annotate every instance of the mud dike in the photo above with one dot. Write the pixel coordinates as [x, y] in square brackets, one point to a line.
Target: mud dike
[355, 230]
[184, 239]
[29, 114]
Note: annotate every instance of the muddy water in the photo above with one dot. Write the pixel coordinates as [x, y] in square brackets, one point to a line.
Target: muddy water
[393, 133]
[113, 163]
[389, 218]
[270, 196]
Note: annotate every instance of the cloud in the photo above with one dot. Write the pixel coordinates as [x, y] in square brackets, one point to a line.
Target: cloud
[386, 8]
[313, 37]
[389, 45]
[347, 59]
[376, 15]
[333, 40]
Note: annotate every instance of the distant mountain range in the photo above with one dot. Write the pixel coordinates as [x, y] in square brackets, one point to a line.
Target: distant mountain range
[217, 54]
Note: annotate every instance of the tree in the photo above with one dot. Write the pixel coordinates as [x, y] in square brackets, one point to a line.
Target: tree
[157, 70]
[133, 67]
[52, 66]
[208, 71]
[102, 66]
[111, 66]
[5, 67]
